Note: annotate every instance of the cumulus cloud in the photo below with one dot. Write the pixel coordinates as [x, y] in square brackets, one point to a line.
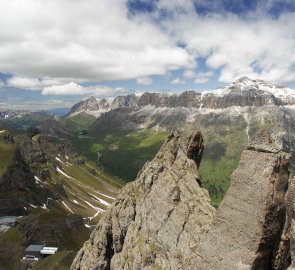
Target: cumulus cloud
[24, 83]
[177, 81]
[55, 46]
[203, 77]
[77, 89]
[255, 44]
[94, 40]
[188, 74]
[144, 80]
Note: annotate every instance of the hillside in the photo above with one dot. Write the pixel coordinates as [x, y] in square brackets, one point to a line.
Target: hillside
[228, 117]
[56, 194]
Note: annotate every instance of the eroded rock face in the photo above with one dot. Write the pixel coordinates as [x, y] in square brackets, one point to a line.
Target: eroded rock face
[247, 231]
[90, 104]
[17, 176]
[290, 222]
[158, 219]
[164, 219]
[129, 101]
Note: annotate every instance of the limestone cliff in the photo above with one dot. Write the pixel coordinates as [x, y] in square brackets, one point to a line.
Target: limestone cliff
[248, 228]
[158, 219]
[164, 220]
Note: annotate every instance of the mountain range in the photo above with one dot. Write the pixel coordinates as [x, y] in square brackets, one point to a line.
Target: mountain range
[62, 175]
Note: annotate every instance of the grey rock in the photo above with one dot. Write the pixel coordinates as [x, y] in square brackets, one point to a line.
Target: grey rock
[129, 101]
[157, 221]
[247, 230]
[90, 104]
[164, 220]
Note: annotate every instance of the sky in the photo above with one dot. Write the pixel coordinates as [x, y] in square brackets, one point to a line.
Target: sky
[56, 52]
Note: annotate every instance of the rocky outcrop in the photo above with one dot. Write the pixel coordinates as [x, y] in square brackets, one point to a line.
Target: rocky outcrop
[290, 221]
[17, 176]
[236, 97]
[6, 137]
[248, 231]
[129, 101]
[157, 221]
[90, 104]
[42, 150]
[164, 219]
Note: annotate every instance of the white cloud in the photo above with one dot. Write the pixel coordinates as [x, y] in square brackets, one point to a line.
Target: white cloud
[1, 84]
[144, 81]
[54, 46]
[256, 45]
[203, 77]
[188, 74]
[92, 40]
[177, 81]
[23, 82]
[77, 89]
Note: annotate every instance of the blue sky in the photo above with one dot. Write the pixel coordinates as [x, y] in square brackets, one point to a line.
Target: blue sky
[54, 53]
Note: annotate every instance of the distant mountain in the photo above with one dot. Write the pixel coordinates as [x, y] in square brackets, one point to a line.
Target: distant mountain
[59, 111]
[228, 117]
[96, 107]
[90, 105]
[243, 92]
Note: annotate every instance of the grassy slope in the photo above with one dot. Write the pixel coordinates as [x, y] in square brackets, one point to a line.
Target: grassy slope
[77, 122]
[30, 120]
[7, 153]
[60, 261]
[123, 153]
[11, 243]
[78, 189]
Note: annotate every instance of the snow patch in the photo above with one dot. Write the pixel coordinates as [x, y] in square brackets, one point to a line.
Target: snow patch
[67, 207]
[58, 159]
[87, 226]
[37, 180]
[34, 206]
[94, 207]
[44, 206]
[105, 195]
[95, 215]
[101, 200]
[63, 173]
[75, 202]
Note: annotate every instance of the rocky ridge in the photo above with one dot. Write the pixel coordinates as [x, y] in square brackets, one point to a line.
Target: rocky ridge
[243, 92]
[158, 219]
[164, 220]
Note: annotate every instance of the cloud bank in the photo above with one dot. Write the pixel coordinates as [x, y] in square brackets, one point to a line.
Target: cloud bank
[54, 46]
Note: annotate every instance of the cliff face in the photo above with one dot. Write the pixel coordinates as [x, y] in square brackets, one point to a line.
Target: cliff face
[90, 105]
[158, 219]
[236, 97]
[129, 101]
[248, 230]
[164, 219]
[17, 176]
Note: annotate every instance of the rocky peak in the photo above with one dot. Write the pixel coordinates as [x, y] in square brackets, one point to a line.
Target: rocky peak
[159, 218]
[90, 105]
[129, 101]
[248, 230]
[164, 220]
